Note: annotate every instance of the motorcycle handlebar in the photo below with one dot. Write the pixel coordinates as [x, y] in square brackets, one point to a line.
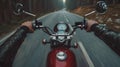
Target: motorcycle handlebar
[49, 31]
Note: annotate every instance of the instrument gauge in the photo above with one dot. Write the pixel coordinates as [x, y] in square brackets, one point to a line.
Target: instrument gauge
[61, 27]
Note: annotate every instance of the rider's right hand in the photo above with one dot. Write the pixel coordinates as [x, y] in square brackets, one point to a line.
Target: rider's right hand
[89, 24]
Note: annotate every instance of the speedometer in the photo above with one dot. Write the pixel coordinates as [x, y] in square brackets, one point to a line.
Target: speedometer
[61, 27]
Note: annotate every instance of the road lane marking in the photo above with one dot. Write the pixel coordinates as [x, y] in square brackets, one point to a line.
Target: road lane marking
[4, 38]
[89, 61]
[65, 17]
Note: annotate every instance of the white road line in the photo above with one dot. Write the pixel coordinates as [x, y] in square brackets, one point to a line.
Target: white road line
[4, 38]
[66, 18]
[90, 63]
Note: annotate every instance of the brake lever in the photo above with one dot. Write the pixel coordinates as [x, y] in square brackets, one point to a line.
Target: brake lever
[81, 25]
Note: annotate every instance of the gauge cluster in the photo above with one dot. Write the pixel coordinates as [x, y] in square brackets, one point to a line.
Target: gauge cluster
[61, 27]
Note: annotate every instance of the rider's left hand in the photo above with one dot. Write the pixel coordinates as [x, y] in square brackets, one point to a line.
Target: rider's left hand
[29, 25]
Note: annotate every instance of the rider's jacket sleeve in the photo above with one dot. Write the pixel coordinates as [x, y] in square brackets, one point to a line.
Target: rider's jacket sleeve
[9, 48]
[111, 37]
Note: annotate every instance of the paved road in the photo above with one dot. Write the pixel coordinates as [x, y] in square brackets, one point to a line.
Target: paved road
[33, 54]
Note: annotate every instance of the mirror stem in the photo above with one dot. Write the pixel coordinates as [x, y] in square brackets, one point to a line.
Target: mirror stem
[29, 13]
[89, 13]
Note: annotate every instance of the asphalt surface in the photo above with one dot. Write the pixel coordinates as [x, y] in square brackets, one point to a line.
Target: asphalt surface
[33, 54]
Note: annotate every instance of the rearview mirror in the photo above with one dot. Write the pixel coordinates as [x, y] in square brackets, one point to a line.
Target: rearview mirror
[18, 9]
[101, 7]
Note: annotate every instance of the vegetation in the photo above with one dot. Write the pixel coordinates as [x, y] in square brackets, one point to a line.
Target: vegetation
[111, 17]
[9, 21]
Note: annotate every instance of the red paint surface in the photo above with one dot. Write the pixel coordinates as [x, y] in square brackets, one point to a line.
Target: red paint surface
[70, 61]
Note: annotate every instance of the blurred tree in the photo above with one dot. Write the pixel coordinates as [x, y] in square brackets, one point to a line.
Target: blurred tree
[38, 6]
[5, 11]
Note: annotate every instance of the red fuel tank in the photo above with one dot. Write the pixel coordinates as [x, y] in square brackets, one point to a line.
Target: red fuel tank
[61, 57]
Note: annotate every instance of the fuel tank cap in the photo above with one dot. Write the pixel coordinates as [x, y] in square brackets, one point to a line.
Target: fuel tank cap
[61, 56]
